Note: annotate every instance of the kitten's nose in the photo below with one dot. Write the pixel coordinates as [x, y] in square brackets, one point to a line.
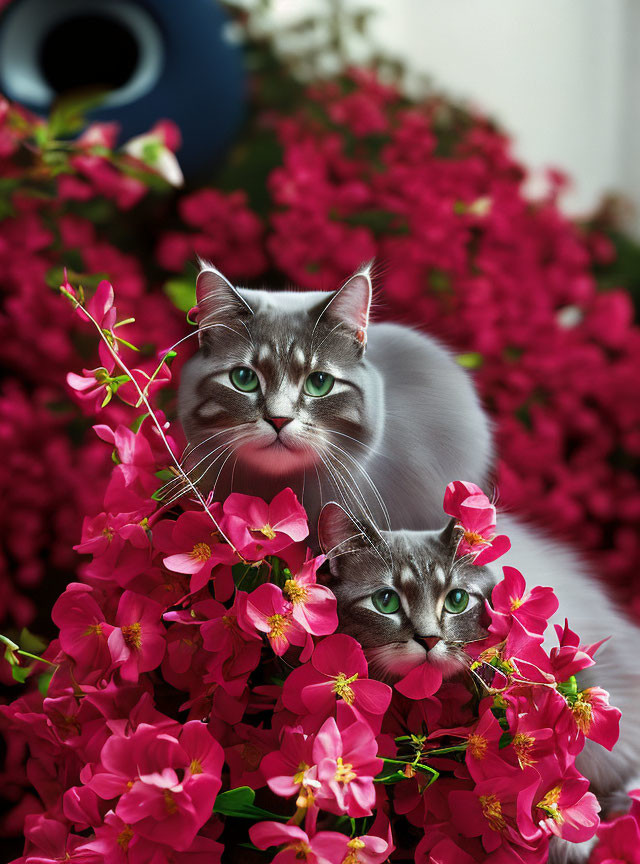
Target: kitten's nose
[429, 641]
[279, 422]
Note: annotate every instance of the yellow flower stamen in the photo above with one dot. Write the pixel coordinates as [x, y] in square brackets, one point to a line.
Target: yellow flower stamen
[124, 837]
[342, 689]
[478, 746]
[352, 856]
[344, 771]
[298, 777]
[169, 802]
[132, 634]
[267, 530]
[93, 630]
[201, 552]
[522, 745]
[301, 849]
[492, 812]
[516, 603]
[196, 766]
[582, 712]
[295, 592]
[550, 804]
[279, 625]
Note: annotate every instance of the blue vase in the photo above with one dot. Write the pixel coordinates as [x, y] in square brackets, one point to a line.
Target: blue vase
[158, 58]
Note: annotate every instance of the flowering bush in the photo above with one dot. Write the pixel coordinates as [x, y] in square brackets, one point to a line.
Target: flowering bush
[197, 695]
[326, 176]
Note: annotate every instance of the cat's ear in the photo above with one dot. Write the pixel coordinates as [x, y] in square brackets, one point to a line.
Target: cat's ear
[339, 532]
[218, 301]
[351, 304]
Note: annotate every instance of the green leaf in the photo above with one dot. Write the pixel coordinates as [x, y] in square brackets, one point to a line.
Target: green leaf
[30, 642]
[21, 673]
[44, 680]
[505, 739]
[238, 803]
[181, 292]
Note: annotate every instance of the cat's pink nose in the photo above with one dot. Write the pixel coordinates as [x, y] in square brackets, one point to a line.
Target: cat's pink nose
[279, 422]
[430, 641]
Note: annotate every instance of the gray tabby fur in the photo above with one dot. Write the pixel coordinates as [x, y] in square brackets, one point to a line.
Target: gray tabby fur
[422, 568]
[400, 422]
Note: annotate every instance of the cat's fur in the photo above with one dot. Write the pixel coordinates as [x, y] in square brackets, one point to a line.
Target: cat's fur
[421, 567]
[400, 422]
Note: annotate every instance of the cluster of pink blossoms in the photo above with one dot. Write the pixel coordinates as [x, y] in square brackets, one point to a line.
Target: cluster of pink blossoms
[201, 699]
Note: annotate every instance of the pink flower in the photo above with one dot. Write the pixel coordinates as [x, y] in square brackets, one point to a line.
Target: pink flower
[267, 611]
[338, 670]
[83, 629]
[564, 806]
[571, 657]
[234, 651]
[291, 770]
[258, 529]
[510, 599]
[137, 644]
[298, 846]
[314, 606]
[94, 385]
[195, 545]
[498, 810]
[345, 753]
[476, 518]
[166, 783]
[595, 717]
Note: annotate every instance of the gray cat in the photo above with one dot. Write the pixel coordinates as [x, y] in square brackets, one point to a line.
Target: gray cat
[407, 599]
[283, 393]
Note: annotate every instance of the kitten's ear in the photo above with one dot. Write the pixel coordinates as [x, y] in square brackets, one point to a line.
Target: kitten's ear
[350, 305]
[449, 537]
[218, 301]
[338, 532]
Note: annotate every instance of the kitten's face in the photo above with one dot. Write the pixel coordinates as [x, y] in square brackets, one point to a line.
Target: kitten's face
[404, 597]
[280, 381]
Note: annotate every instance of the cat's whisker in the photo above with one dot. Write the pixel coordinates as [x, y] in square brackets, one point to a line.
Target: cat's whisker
[367, 477]
[365, 506]
[171, 484]
[357, 441]
[176, 496]
[190, 449]
[338, 483]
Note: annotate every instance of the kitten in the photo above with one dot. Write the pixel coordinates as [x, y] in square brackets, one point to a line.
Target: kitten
[298, 389]
[406, 598]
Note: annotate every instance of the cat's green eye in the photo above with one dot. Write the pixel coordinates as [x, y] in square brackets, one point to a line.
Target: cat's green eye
[319, 384]
[244, 379]
[456, 601]
[386, 601]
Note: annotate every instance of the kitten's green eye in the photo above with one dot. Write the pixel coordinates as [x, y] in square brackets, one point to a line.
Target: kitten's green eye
[244, 379]
[456, 601]
[319, 384]
[386, 601]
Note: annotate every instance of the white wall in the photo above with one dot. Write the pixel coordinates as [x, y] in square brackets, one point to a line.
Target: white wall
[560, 75]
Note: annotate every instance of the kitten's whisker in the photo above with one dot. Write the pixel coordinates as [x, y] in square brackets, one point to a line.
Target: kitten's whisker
[366, 507]
[315, 348]
[346, 540]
